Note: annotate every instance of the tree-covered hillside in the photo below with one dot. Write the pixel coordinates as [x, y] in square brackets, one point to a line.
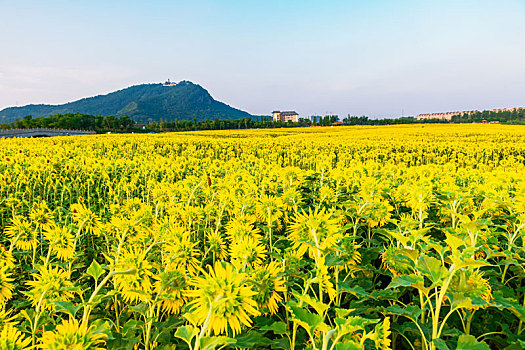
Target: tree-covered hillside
[142, 103]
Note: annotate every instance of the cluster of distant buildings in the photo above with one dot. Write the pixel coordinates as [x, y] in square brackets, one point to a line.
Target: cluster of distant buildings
[449, 115]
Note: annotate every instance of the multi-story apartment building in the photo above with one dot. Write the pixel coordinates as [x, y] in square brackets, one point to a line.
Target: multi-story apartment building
[285, 116]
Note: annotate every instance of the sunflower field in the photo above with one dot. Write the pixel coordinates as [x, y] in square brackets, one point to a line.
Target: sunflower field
[395, 237]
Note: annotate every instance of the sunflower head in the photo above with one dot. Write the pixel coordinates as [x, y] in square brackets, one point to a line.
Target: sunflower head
[268, 209]
[216, 244]
[471, 284]
[50, 283]
[323, 279]
[247, 252]
[241, 227]
[60, 241]
[21, 233]
[133, 286]
[71, 334]
[85, 218]
[381, 335]
[268, 283]
[349, 254]
[182, 253]
[170, 287]
[11, 338]
[392, 260]
[313, 232]
[40, 214]
[6, 257]
[222, 295]
[6, 285]
[292, 199]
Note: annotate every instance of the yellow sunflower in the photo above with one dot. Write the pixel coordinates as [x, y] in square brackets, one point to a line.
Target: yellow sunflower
[136, 286]
[349, 254]
[50, 283]
[6, 285]
[181, 252]
[40, 214]
[269, 209]
[6, 257]
[382, 332]
[472, 284]
[6, 318]
[268, 283]
[85, 218]
[222, 296]
[392, 261]
[60, 241]
[170, 287]
[240, 228]
[21, 234]
[314, 232]
[70, 334]
[216, 245]
[323, 279]
[247, 252]
[11, 338]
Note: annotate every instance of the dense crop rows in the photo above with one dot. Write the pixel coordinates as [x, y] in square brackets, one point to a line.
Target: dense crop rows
[323, 238]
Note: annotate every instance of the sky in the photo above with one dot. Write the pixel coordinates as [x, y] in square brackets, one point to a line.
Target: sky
[376, 58]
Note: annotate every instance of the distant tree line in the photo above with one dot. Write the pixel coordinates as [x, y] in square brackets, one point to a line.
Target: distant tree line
[223, 124]
[77, 121]
[101, 124]
[515, 116]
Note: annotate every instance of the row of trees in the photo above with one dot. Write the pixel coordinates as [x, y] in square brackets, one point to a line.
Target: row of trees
[72, 121]
[490, 116]
[100, 123]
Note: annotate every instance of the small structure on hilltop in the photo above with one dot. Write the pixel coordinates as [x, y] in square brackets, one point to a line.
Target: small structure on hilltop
[286, 116]
[169, 83]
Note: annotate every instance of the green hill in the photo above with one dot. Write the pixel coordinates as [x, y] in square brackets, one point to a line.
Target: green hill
[146, 102]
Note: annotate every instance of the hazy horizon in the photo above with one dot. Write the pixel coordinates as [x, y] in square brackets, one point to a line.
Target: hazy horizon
[380, 59]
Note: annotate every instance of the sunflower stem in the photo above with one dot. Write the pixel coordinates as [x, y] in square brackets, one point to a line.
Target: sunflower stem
[88, 307]
[37, 317]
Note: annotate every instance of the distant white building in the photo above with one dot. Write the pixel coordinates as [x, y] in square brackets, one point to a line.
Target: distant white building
[449, 115]
[285, 116]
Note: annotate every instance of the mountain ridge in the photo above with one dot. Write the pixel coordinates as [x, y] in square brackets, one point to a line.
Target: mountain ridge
[142, 103]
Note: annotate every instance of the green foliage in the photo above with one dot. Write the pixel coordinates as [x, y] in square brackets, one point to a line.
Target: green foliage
[142, 103]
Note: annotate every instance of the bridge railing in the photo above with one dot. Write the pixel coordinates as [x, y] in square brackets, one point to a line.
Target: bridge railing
[43, 131]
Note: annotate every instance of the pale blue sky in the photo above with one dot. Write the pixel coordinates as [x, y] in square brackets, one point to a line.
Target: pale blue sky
[377, 58]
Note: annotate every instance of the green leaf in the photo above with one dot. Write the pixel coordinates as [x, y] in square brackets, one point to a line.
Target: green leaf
[406, 281]
[351, 324]
[276, 327]
[454, 241]
[440, 344]
[306, 319]
[318, 306]
[506, 303]
[411, 311]
[356, 291]
[253, 340]
[141, 308]
[187, 333]
[432, 268]
[468, 342]
[348, 346]
[67, 307]
[95, 270]
[210, 343]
